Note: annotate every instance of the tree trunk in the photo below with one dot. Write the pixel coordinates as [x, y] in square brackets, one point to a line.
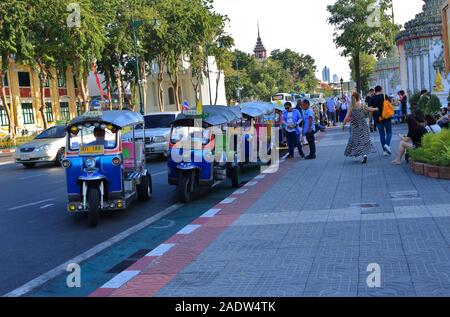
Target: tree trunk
[84, 96]
[143, 69]
[161, 63]
[108, 86]
[357, 62]
[42, 81]
[8, 108]
[219, 73]
[118, 75]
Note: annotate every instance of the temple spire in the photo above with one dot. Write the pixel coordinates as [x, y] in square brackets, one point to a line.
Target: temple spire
[260, 50]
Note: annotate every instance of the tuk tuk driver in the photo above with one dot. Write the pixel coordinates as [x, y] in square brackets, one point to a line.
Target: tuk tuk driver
[99, 134]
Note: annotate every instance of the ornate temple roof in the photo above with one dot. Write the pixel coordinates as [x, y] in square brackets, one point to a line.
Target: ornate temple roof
[259, 48]
[428, 23]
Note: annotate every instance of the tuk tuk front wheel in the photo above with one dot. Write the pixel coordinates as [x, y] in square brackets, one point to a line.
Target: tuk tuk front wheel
[93, 198]
[184, 190]
[144, 188]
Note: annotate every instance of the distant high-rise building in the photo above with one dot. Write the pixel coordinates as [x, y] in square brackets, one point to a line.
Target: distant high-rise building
[260, 50]
[335, 79]
[326, 74]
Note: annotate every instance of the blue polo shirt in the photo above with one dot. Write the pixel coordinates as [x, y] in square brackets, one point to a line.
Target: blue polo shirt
[331, 105]
[309, 113]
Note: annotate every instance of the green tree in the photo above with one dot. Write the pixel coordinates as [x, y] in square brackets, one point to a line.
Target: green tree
[368, 63]
[14, 15]
[360, 29]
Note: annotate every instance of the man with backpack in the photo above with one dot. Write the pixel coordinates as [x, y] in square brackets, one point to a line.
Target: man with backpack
[382, 120]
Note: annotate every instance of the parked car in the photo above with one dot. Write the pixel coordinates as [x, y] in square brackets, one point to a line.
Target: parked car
[48, 146]
[157, 133]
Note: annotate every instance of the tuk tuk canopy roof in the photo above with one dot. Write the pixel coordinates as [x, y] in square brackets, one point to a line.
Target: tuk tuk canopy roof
[256, 109]
[118, 118]
[212, 116]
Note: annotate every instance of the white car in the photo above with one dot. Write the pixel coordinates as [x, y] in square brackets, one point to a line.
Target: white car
[157, 133]
[48, 146]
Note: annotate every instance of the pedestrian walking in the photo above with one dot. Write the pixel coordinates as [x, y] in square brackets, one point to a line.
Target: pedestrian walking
[384, 126]
[309, 128]
[291, 122]
[403, 99]
[344, 107]
[331, 112]
[372, 125]
[359, 144]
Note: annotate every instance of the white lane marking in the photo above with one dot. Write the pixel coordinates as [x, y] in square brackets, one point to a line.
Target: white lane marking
[188, 229]
[161, 173]
[31, 204]
[210, 213]
[7, 163]
[120, 279]
[33, 176]
[262, 176]
[240, 191]
[44, 278]
[46, 206]
[161, 249]
[228, 200]
[249, 184]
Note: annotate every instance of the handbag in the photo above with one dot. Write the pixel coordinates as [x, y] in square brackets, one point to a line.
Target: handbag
[388, 110]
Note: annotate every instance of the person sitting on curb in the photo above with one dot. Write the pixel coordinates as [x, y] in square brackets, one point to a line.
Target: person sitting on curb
[412, 140]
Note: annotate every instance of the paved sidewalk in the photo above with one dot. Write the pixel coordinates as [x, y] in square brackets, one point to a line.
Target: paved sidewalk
[311, 229]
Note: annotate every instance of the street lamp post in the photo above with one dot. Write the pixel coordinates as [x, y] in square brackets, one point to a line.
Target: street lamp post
[207, 69]
[342, 86]
[134, 25]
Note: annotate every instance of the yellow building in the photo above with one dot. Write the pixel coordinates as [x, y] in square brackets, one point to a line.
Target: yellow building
[23, 92]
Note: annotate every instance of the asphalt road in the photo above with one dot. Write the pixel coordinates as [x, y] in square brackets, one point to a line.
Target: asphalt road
[36, 232]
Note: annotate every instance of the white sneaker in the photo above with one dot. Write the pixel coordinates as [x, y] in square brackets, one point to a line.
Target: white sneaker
[388, 149]
[385, 153]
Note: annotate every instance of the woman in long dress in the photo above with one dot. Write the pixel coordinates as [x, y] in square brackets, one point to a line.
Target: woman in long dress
[359, 144]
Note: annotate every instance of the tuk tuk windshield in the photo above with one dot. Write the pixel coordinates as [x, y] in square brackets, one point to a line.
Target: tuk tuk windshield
[91, 135]
[190, 134]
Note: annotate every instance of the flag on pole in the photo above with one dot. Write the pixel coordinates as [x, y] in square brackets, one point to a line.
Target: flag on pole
[186, 106]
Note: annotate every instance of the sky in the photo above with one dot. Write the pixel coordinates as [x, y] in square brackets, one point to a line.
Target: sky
[300, 25]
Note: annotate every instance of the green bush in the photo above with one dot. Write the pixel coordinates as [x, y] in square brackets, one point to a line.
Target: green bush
[435, 149]
[429, 105]
[6, 144]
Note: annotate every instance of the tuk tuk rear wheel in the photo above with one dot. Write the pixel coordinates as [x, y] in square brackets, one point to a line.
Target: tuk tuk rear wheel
[184, 190]
[144, 188]
[93, 198]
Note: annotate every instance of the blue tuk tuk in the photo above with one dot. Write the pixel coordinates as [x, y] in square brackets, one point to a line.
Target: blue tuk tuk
[201, 151]
[104, 172]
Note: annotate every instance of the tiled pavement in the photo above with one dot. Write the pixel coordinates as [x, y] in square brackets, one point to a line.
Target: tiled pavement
[312, 229]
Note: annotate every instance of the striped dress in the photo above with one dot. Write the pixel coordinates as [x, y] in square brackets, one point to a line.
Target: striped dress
[359, 143]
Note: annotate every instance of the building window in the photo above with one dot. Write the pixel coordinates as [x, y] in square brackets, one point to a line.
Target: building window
[65, 113]
[171, 96]
[28, 114]
[24, 79]
[49, 112]
[62, 79]
[4, 122]
[80, 108]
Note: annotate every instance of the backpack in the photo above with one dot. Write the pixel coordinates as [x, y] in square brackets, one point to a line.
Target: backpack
[388, 109]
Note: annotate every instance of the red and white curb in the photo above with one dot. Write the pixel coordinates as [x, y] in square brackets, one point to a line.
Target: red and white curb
[154, 271]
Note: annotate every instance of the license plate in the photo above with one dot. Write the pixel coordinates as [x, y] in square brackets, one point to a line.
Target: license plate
[91, 149]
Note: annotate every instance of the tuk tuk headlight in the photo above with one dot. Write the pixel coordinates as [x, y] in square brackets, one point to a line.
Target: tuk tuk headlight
[66, 163]
[90, 163]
